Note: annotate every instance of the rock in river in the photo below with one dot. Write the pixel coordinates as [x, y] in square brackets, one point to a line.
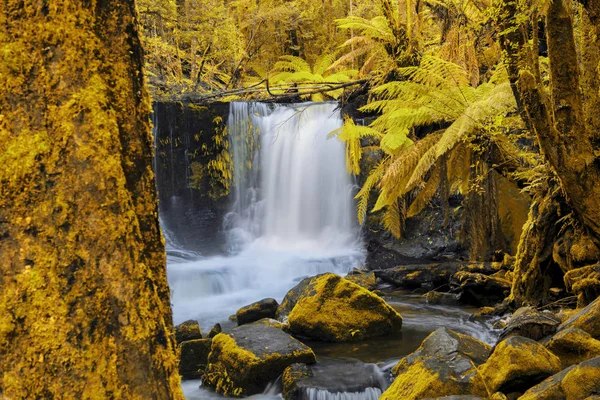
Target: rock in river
[573, 345]
[581, 381]
[444, 365]
[517, 364]
[193, 356]
[331, 308]
[244, 361]
[588, 319]
[265, 308]
[188, 330]
[530, 323]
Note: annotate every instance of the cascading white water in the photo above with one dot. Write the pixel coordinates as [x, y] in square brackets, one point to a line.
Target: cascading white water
[293, 214]
[305, 199]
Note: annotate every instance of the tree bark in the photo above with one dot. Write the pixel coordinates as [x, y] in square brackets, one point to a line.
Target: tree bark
[84, 305]
[559, 121]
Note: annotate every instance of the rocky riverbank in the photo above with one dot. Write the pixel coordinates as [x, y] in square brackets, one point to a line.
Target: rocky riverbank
[540, 354]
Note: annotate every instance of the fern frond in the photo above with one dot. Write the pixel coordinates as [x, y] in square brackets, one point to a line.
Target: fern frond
[426, 193]
[392, 220]
[365, 191]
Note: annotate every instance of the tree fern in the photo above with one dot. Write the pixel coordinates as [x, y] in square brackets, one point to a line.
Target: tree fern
[435, 92]
[295, 70]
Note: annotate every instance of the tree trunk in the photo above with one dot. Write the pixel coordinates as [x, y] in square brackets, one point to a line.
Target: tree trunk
[559, 121]
[84, 306]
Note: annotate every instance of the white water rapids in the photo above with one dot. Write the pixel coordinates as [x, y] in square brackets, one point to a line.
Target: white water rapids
[292, 217]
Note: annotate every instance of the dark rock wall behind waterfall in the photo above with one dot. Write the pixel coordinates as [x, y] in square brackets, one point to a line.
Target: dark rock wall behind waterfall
[183, 135]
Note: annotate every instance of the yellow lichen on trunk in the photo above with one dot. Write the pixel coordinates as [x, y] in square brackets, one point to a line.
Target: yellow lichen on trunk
[84, 307]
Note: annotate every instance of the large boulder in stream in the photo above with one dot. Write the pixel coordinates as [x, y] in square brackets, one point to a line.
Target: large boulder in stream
[244, 361]
[517, 364]
[265, 308]
[444, 365]
[578, 382]
[331, 378]
[330, 308]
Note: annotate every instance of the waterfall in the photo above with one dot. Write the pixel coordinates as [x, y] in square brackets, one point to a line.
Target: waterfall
[292, 214]
[292, 189]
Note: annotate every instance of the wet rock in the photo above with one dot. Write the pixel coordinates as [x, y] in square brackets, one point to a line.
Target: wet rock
[588, 319]
[530, 323]
[517, 364]
[444, 365]
[265, 308]
[363, 279]
[430, 276]
[447, 299]
[215, 331]
[479, 289]
[445, 344]
[188, 330]
[574, 383]
[573, 345]
[244, 361]
[292, 296]
[193, 357]
[331, 308]
[334, 376]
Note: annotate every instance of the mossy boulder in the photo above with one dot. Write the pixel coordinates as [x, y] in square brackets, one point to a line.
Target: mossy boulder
[479, 289]
[444, 365]
[573, 345]
[265, 308]
[581, 381]
[331, 308]
[588, 319]
[293, 295]
[188, 330]
[530, 323]
[193, 357]
[517, 364]
[335, 376]
[244, 361]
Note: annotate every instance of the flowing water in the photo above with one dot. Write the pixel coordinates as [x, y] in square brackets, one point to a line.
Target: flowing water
[292, 216]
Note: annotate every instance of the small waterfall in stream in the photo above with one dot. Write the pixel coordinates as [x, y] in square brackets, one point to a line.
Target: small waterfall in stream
[292, 217]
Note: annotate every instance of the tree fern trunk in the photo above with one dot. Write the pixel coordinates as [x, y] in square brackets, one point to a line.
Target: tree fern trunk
[84, 306]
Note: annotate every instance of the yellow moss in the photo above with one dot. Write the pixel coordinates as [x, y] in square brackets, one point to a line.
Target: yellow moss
[227, 357]
[85, 301]
[573, 346]
[339, 310]
[418, 382]
[517, 358]
[575, 383]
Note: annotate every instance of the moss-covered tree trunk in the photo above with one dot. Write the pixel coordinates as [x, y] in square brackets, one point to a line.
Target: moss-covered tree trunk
[566, 119]
[84, 301]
